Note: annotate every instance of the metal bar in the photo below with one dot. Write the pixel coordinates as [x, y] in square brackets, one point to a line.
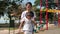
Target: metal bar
[46, 15]
[58, 19]
[41, 13]
[58, 14]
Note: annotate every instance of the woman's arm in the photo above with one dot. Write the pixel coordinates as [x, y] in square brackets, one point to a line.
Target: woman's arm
[34, 15]
[23, 14]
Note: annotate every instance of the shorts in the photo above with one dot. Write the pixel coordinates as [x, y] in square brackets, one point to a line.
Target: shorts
[28, 32]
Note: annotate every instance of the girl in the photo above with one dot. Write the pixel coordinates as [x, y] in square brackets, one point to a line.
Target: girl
[27, 24]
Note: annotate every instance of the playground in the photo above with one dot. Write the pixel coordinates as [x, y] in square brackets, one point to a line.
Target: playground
[47, 13]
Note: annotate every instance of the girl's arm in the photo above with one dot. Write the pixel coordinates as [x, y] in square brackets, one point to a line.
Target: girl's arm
[21, 25]
[34, 22]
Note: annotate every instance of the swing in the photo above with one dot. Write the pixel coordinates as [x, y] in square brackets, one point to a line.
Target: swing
[46, 14]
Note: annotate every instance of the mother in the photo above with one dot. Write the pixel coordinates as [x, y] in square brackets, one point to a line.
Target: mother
[28, 9]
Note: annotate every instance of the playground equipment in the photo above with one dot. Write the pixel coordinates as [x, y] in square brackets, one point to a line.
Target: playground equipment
[49, 10]
[58, 14]
[46, 13]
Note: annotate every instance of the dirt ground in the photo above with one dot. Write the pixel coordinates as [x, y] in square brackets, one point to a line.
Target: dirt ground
[51, 31]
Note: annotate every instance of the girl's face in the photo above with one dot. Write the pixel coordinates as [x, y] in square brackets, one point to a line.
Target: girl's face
[28, 7]
[29, 17]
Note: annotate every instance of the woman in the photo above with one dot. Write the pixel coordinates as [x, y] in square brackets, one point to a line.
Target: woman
[28, 9]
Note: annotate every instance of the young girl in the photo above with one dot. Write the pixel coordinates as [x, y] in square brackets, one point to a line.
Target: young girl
[27, 24]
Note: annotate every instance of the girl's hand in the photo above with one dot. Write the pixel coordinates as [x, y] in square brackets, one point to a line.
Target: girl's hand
[19, 30]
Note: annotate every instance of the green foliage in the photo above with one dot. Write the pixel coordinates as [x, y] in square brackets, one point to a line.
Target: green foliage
[50, 3]
[50, 15]
[37, 14]
[3, 5]
[37, 2]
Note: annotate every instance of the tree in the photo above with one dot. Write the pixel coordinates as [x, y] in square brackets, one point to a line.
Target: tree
[37, 2]
[50, 3]
[13, 12]
[3, 5]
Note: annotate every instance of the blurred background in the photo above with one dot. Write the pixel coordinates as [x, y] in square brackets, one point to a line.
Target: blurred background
[10, 12]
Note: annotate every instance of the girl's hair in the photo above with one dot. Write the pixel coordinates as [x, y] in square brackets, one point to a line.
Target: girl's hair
[29, 3]
[30, 14]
